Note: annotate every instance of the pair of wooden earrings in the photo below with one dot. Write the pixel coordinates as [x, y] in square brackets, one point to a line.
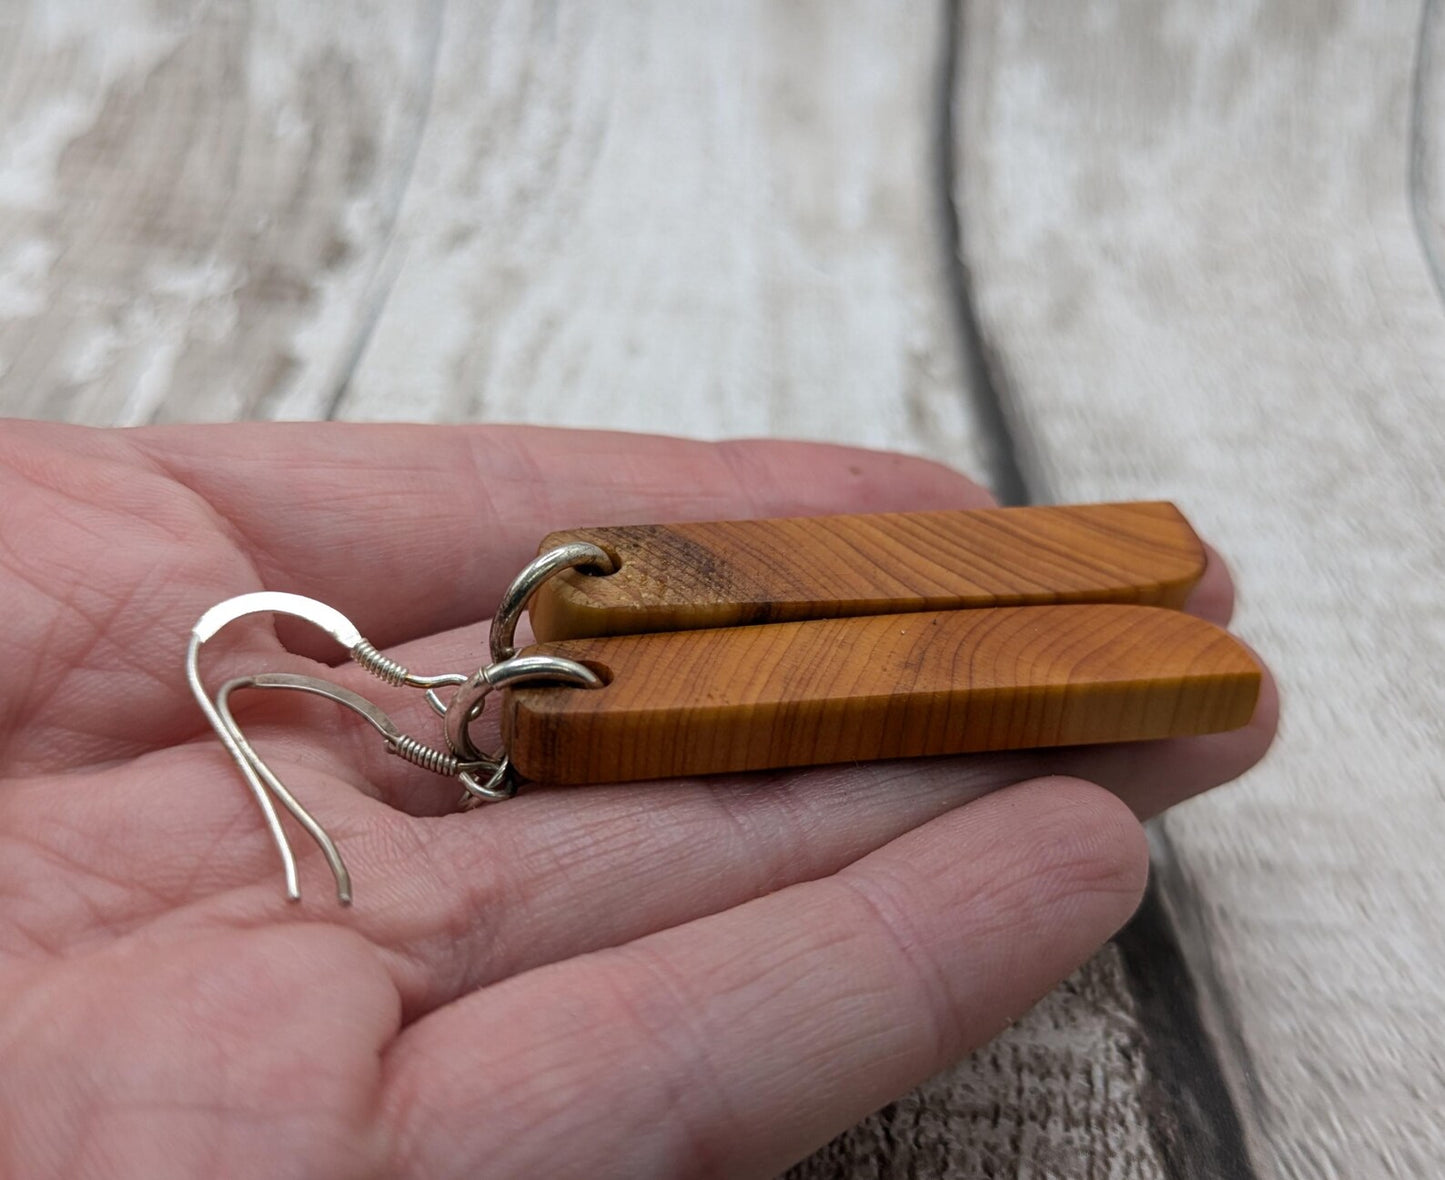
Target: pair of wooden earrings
[690, 649]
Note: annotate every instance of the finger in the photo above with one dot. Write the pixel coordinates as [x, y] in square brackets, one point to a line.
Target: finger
[1213, 597]
[255, 1052]
[560, 872]
[114, 542]
[736, 1043]
[99, 564]
[458, 901]
[411, 530]
[465, 900]
[473, 899]
[1154, 776]
[573, 869]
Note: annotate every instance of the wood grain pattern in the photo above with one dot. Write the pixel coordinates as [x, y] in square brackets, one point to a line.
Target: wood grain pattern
[728, 573]
[196, 199]
[1427, 141]
[883, 686]
[1056, 1097]
[715, 223]
[694, 219]
[1197, 268]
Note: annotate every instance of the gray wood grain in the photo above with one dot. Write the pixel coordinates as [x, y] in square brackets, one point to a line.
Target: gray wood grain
[1201, 273]
[1060, 1094]
[195, 199]
[695, 219]
[1427, 140]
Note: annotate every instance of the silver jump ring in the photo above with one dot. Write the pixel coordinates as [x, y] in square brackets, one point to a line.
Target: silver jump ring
[500, 784]
[508, 668]
[466, 706]
[529, 581]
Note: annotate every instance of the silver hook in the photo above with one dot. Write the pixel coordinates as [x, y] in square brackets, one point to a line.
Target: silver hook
[263, 782]
[483, 778]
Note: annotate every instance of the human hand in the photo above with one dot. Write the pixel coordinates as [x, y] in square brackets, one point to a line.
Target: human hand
[701, 977]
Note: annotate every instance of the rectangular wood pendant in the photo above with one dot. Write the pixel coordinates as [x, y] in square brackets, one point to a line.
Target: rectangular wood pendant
[880, 686]
[736, 573]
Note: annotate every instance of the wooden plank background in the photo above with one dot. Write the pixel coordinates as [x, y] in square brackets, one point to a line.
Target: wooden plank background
[1191, 250]
[1219, 285]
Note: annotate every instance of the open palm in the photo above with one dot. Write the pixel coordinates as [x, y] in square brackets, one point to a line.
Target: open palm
[678, 978]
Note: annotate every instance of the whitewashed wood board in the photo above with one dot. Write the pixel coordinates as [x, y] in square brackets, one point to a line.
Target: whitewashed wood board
[697, 219]
[713, 222]
[194, 198]
[1200, 270]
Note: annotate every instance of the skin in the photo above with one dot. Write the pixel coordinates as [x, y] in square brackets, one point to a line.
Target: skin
[708, 977]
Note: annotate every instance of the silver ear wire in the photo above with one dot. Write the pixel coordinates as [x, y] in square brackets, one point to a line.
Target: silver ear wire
[254, 767]
[266, 787]
[245, 757]
[483, 778]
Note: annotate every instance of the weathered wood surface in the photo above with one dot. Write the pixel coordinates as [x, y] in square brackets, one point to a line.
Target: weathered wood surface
[1199, 270]
[713, 222]
[195, 199]
[1201, 241]
[730, 573]
[708, 220]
